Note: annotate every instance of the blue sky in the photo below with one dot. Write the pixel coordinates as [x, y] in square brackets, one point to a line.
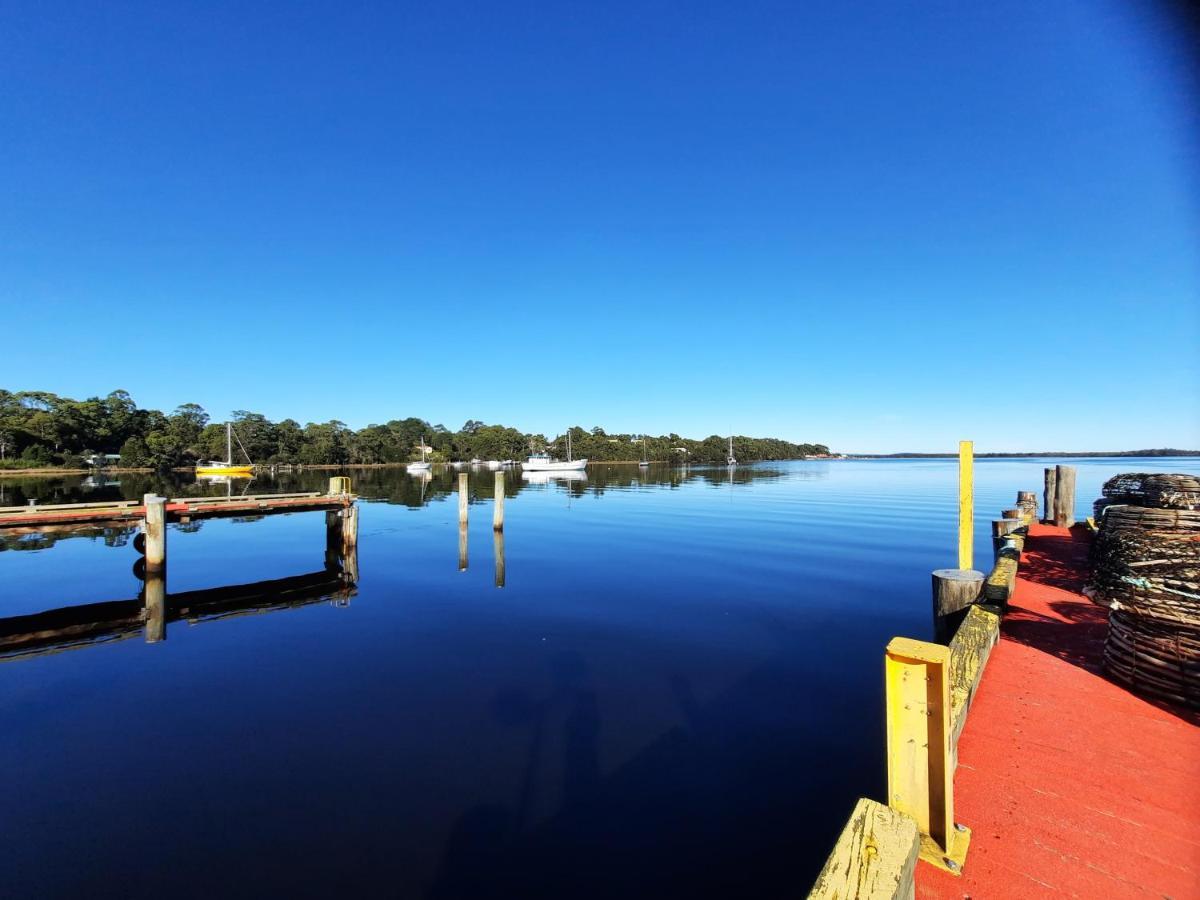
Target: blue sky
[883, 226]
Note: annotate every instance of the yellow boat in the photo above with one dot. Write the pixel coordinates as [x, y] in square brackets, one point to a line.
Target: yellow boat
[226, 466]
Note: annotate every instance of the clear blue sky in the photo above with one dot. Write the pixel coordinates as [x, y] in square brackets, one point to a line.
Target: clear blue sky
[880, 225]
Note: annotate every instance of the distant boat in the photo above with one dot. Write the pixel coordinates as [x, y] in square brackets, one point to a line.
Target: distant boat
[543, 462]
[645, 463]
[494, 464]
[421, 466]
[226, 466]
[730, 460]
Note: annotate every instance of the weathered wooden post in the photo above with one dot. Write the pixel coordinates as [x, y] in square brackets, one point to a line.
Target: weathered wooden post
[1064, 496]
[154, 596]
[463, 498]
[1027, 501]
[349, 528]
[462, 547]
[498, 506]
[154, 526]
[920, 748]
[966, 504]
[954, 590]
[498, 548]
[1048, 494]
[1011, 513]
[350, 567]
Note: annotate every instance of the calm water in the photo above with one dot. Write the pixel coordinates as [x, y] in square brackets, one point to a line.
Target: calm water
[677, 691]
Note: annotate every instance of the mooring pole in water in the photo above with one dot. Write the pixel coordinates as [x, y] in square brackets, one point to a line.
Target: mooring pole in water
[154, 593]
[462, 547]
[498, 506]
[1048, 494]
[966, 504]
[498, 548]
[154, 526]
[462, 498]
[350, 528]
[954, 590]
[1064, 496]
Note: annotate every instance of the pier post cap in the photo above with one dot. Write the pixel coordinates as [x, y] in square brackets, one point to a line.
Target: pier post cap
[958, 574]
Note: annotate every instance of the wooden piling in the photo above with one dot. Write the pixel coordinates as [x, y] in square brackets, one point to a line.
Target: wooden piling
[1027, 501]
[1064, 496]
[1001, 527]
[463, 500]
[1012, 513]
[498, 506]
[154, 526]
[498, 548]
[954, 590]
[154, 593]
[1048, 495]
[349, 528]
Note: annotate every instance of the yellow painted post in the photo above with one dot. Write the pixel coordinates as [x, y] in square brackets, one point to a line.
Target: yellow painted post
[921, 750]
[966, 504]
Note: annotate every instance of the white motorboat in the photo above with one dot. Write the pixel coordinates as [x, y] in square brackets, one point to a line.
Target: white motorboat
[543, 462]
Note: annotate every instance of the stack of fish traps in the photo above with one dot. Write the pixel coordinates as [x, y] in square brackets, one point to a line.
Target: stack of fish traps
[1146, 570]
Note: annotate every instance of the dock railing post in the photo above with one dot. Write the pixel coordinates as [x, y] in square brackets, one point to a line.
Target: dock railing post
[155, 528]
[920, 748]
[966, 504]
[498, 506]
[1064, 496]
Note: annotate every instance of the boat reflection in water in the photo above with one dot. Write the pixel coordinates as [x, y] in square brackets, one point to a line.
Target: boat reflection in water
[536, 477]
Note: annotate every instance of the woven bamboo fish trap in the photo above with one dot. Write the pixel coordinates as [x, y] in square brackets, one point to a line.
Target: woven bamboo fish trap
[1146, 570]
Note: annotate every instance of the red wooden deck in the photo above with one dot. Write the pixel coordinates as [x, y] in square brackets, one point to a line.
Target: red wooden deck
[1072, 786]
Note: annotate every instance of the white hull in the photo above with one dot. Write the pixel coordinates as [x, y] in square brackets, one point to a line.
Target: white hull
[553, 477]
[420, 467]
[549, 465]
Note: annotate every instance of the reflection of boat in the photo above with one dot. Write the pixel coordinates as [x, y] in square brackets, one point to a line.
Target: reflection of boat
[537, 477]
[541, 462]
[226, 466]
[494, 464]
[421, 466]
[730, 459]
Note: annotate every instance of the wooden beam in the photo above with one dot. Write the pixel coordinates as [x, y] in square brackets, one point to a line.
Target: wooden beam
[875, 857]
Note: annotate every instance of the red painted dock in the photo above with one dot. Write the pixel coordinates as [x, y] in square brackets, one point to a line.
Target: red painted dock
[1072, 785]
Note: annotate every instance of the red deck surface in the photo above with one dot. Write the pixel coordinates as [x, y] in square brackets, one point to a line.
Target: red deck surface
[1071, 785]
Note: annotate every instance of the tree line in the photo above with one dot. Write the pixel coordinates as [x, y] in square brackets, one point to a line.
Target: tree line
[38, 428]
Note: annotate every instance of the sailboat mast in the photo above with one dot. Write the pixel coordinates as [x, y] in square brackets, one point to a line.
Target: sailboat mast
[229, 443]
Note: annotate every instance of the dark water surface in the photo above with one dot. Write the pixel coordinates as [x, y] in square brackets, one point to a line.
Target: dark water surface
[677, 691]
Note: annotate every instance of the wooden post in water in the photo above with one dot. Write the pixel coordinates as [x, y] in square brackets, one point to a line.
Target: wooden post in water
[155, 528]
[154, 594]
[462, 547]
[498, 505]
[966, 504]
[1048, 495]
[463, 499]
[498, 548]
[1064, 496]
[954, 590]
[349, 528]
[1027, 500]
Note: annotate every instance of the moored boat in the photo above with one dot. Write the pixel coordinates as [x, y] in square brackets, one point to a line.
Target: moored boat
[226, 466]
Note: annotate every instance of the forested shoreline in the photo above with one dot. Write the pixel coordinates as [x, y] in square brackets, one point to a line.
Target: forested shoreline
[41, 429]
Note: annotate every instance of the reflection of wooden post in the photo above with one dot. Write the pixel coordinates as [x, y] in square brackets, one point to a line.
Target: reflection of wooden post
[1048, 495]
[498, 547]
[966, 504]
[498, 506]
[954, 590]
[1064, 496]
[155, 528]
[155, 599]
[349, 528]
[462, 500]
[462, 547]
[350, 567]
[333, 538]
[920, 745]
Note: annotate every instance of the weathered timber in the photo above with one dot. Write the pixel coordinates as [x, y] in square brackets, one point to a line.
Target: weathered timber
[154, 595]
[1001, 581]
[1048, 494]
[498, 548]
[1017, 513]
[349, 529]
[498, 504]
[154, 526]
[875, 857]
[954, 590]
[1027, 500]
[1064, 496]
[462, 547]
[969, 652]
[920, 764]
[463, 498]
[1001, 527]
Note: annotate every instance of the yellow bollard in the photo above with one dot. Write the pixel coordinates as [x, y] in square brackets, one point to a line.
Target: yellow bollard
[920, 748]
[966, 504]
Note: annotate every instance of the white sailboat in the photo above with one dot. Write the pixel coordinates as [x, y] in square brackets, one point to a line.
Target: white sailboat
[645, 463]
[421, 466]
[543, 462]
[226, 466]
[730, 460]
